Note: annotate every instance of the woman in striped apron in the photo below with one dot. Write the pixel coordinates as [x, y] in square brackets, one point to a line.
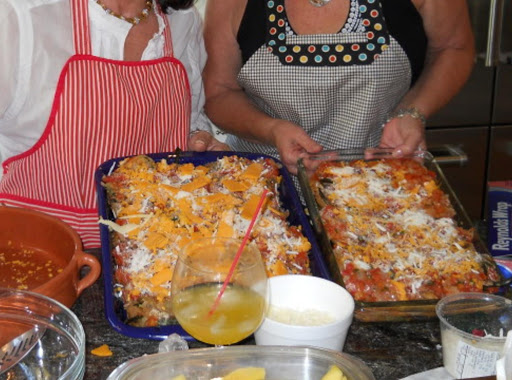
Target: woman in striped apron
[108, 81]
[285, 77]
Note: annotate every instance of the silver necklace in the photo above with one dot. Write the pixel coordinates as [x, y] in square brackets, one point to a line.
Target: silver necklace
[319, 3]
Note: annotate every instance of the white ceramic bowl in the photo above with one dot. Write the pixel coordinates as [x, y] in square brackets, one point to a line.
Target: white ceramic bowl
[299, 297]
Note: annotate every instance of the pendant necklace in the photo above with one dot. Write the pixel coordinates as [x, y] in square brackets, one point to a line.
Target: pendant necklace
[132, 20]
[319, 3]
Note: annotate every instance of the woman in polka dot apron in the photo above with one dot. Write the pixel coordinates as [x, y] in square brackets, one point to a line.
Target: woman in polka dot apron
[284, 77]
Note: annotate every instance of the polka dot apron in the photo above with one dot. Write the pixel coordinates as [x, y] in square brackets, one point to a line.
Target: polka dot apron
[338, 87]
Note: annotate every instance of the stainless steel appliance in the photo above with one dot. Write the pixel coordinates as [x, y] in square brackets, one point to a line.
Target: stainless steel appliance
[479, 119]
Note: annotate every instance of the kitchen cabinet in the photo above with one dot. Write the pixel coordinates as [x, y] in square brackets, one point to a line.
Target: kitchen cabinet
[500, 153]
[479, 118]
[466, 176]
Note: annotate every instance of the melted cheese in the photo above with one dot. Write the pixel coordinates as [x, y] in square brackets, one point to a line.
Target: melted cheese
[166, 205]
[388, 227]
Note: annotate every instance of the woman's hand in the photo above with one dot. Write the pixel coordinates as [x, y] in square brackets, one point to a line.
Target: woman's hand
[202, 141]
[450, 58]
[404, 134]
[292, 142]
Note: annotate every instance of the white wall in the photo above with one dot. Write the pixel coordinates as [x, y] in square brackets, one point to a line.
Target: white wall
[200, 4]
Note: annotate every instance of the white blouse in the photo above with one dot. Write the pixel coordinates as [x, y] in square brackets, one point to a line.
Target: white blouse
[36, 41]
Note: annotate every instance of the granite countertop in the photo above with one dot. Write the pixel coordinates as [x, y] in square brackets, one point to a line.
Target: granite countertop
[392, 350]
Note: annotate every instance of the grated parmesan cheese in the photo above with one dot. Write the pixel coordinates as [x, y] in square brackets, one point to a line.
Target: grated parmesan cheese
[307, 317]
[393, 232]
[163, 206]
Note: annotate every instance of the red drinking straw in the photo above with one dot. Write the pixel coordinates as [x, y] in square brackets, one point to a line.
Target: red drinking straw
[239, 252]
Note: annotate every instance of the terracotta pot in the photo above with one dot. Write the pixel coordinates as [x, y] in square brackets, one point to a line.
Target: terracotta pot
[49, 236]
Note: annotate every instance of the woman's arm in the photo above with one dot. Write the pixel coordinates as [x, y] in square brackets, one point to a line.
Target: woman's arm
[450, 59]
[188, 46]
[226, 104]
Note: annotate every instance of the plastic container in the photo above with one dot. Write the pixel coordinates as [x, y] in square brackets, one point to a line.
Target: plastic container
[465, 318]
[280, 363]
[310, 311]
[59, 353]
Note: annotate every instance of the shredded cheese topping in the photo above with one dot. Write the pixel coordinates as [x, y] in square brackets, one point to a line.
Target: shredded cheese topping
[393, 231]
[161, 206]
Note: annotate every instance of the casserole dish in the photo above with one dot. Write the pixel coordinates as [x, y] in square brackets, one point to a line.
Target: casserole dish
[41, 253]
[382, 203]
[116, 313]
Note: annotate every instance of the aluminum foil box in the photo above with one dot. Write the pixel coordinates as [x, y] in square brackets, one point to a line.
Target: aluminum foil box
[499, 221]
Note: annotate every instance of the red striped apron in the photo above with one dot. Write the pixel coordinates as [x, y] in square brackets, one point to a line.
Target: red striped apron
[102, 109]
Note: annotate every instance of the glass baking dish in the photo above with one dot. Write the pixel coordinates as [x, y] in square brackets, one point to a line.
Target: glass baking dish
[388, 310]
[114, 309]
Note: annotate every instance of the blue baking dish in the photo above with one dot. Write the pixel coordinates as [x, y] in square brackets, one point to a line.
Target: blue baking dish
[506, 272]
[113, 305]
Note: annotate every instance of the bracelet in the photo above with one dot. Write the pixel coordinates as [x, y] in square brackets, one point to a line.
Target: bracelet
[194, 132]
[412, 112]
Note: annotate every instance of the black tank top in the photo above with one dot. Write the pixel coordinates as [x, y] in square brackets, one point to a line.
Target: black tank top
[403, 21]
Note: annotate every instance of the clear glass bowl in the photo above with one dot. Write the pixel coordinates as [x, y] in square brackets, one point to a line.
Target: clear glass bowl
[280, 363]
[59, 349]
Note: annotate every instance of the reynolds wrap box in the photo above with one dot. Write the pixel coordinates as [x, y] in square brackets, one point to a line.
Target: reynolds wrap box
[499, 239]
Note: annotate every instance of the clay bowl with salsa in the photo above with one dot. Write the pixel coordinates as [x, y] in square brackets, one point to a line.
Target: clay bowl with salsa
[41, 253]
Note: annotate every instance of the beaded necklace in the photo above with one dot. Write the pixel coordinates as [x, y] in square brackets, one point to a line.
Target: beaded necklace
[132, 20]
